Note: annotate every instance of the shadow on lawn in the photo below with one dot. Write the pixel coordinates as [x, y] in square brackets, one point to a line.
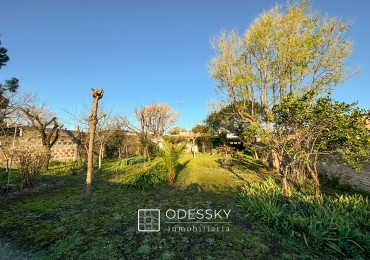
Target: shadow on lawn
[182, 165]
[241, 166]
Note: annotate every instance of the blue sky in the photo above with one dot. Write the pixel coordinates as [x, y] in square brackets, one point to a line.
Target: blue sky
[142, 52]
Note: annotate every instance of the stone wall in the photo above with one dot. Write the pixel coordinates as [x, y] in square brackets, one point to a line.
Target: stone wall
[335, 168]
[66, 148]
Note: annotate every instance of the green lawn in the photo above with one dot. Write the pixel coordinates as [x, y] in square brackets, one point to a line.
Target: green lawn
[51, 222]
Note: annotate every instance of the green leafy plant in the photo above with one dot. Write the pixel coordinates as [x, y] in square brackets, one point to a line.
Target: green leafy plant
[339, 222]
[170, 155]
[135, 160]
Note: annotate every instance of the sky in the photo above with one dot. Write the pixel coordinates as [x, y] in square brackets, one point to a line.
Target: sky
[143, 51]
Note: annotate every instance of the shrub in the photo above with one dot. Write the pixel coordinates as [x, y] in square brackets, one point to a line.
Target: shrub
[31, 163]
[226, 152]
[339, 222]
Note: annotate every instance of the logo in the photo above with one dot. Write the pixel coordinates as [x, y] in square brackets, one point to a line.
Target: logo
[181, 220]
[148, 220]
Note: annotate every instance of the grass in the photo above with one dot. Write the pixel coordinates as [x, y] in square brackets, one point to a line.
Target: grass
[51, 222]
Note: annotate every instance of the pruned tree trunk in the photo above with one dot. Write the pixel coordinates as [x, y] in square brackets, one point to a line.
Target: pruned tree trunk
[97, 94]
[192, 148]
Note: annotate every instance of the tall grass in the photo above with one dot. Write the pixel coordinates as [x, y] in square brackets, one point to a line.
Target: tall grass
[339, 222]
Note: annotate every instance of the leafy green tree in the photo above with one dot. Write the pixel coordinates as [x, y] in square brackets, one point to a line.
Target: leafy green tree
[170, 154]
[176, 130]
[284, 50]
[9, 87]
[225, 121]
[196, 132]
[309, 125]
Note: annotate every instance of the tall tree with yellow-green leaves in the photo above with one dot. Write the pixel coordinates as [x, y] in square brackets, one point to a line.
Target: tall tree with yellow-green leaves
[289, 50]
[282, 51]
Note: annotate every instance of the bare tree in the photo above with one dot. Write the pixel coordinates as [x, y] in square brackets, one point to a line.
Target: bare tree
[154, 120]
[106, 128]
[97, 94]
[46, 125]
[105, 131]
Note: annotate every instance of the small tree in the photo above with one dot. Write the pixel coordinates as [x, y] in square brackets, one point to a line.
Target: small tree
[46, 125]
[170, 154]
[105, 131]
[308, 126]
[196, 132]
[176, 130]
[154, 120]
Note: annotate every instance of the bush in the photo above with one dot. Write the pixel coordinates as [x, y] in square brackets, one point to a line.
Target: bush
[339, 222]
[152, 177]
[31, 163]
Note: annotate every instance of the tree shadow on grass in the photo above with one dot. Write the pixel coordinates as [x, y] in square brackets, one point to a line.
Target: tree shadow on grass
[229, 167]
[182, 166]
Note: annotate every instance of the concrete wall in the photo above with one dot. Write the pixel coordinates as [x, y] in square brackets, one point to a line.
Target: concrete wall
[335, 168]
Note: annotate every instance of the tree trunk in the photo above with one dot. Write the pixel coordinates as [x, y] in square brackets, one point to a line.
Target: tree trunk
[315, 178]
[192, 148]
[285, 183]
[147, 153]
[316, 181]
[275, 161]
[255, 155]
[101, 152]
[47, 158]
[93, 120]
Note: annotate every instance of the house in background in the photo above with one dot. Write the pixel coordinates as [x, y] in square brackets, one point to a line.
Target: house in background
[205, 144]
